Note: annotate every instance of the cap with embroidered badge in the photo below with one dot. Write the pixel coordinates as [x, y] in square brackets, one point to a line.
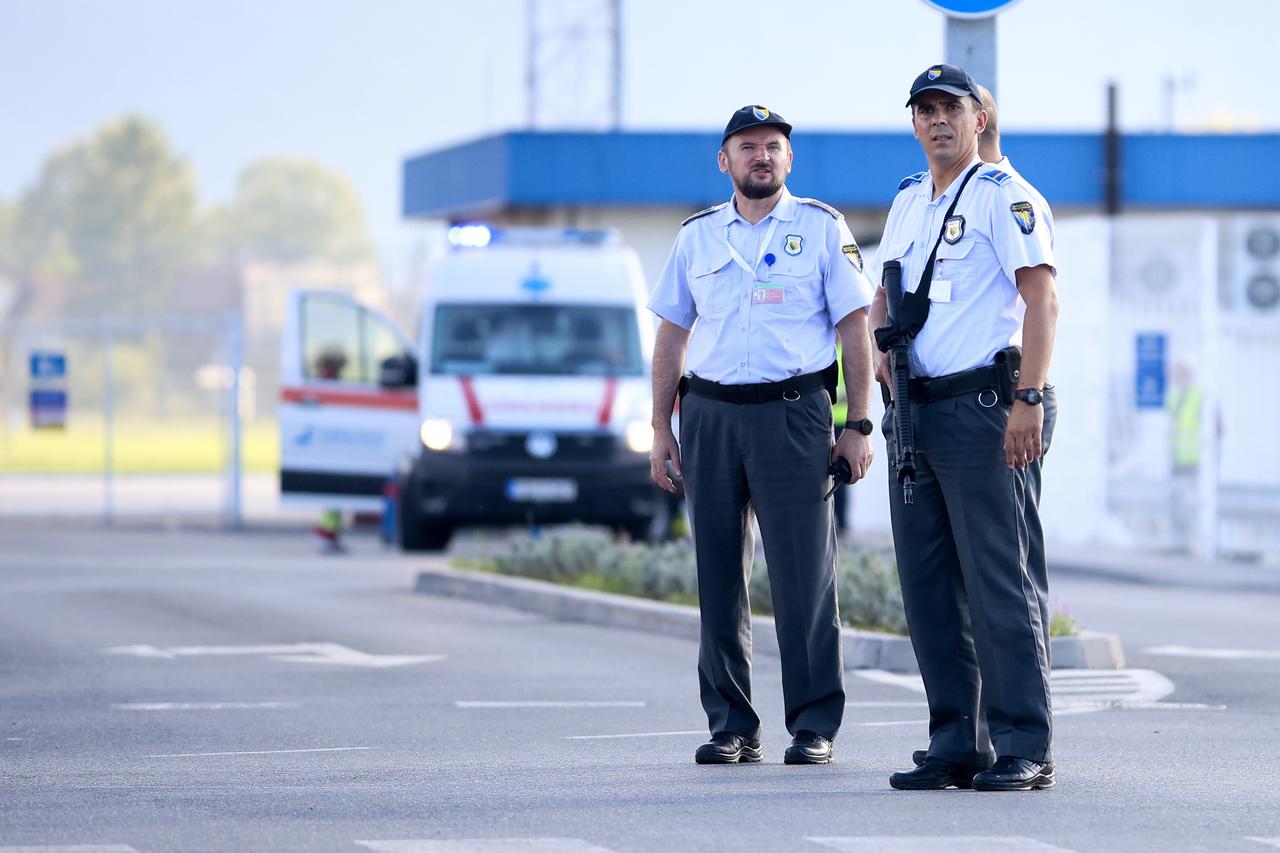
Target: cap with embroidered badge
[945, 78]
[754, 115]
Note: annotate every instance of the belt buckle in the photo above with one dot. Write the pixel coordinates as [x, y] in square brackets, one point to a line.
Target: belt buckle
[786, 395]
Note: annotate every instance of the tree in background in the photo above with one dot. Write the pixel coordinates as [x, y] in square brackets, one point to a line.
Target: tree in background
[289, 210]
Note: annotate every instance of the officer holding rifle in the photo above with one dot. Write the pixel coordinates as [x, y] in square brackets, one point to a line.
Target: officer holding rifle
[977, 319]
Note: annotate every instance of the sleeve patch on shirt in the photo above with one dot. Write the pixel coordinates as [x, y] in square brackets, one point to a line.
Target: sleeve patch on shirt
[1025, 215]
[815, 203]
[912, 179]
[853, 254]
[996, 176]
[701, 213]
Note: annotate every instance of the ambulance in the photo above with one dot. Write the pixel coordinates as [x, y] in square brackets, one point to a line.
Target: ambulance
[526, 399]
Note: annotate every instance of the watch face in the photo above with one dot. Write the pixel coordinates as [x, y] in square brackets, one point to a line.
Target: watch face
[1031, 396]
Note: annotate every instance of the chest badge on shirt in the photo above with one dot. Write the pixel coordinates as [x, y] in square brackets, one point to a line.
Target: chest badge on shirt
[953, 230]
[855, 257]
[793, 244]
[1025, 214]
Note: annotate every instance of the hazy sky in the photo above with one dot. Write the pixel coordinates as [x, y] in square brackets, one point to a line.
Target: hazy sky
[358, 86]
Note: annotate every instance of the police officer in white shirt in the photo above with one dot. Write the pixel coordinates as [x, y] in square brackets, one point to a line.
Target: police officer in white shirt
[974, 612]
[755, 290]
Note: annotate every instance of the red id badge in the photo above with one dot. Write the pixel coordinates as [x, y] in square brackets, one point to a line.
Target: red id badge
[764, 294]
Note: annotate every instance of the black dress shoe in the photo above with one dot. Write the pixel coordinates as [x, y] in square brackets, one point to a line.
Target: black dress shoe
[934, 775]
[808, 748]
[729, 748]
[1014, 774]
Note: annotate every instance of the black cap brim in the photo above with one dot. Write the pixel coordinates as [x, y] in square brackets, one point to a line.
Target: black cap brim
[780, 125]
[950, 90]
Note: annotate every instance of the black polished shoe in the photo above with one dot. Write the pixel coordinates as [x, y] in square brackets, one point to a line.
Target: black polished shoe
[729, 748]
[934, 775]
[808, 748]
[1015, 774]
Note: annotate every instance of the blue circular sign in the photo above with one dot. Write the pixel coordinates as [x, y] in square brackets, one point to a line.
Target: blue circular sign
[971, 8]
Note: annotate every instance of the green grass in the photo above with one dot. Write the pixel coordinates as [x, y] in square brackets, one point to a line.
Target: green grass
[138, 447]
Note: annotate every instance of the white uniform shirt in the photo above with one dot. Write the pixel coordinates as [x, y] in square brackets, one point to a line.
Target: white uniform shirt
[1005, 166]
[974, 307]
[752, 320]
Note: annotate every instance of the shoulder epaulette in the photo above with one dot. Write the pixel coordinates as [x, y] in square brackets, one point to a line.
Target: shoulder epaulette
[828, 208]
[701, 213]
[996, 176]
[912, 179]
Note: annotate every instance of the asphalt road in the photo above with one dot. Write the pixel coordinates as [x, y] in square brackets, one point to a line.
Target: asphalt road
[166, 691]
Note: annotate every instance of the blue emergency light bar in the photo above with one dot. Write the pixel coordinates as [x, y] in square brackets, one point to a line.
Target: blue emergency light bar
[477, 235]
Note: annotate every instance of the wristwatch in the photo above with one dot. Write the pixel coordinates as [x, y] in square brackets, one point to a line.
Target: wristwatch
[1030, 396]
[864, 426]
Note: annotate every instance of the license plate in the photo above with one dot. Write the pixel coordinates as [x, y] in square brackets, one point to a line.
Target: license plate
[542, 490]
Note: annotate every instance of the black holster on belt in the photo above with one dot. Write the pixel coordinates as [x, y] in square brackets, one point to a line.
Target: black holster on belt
[1008, 366]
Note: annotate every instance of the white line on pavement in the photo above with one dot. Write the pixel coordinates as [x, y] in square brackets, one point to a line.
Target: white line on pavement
[1125, 705]
[1217, 654]
[263, 752]
[200, 706]
[70, 848]
[640, 734]
[487, 704]
[929, 844]
[1270, 842]
[484, 845]
[886, 704]
[892, 723]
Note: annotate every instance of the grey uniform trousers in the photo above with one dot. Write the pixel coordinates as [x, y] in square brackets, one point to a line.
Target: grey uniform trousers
[975, 582]
[767, 460]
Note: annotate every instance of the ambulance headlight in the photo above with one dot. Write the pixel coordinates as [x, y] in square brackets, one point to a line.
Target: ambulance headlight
[640, 436]
[437, 434]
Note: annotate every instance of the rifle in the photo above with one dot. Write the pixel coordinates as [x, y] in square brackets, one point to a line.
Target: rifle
[896, 341]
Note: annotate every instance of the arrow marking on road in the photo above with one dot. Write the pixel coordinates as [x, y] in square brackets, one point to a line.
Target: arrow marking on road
[319, 653]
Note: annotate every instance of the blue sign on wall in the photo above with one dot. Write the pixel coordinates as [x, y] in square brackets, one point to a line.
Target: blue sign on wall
[1151, 374]
[48, 365]
[971, 8]
[48, 389]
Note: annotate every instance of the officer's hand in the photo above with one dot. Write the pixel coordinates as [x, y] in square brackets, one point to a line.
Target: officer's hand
[1022, 435]
[884, 373]
[856, 449]
[665, 447]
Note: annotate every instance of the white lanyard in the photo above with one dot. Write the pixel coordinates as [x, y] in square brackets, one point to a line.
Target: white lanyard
[764, 247]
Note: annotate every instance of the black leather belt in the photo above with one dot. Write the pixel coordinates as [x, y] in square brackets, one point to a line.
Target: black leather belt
[954, 384]
[757, 392]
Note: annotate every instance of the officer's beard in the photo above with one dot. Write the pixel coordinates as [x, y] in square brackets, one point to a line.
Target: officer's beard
[759, 190]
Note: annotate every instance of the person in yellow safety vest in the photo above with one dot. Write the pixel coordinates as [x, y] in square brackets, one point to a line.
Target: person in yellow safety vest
[1184, 403]
[1184, 406]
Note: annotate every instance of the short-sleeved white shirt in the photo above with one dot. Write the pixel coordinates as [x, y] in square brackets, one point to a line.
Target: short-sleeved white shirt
[974, 309]
[772, 315]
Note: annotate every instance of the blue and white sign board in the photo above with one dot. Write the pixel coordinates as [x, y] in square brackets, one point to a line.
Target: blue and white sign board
[48, 372]
[1150, 374]
[971, 8]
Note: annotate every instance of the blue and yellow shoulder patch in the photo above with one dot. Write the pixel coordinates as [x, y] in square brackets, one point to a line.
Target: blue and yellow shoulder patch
[701, 213]
[821, 205]
[912, 179]
[996, 176]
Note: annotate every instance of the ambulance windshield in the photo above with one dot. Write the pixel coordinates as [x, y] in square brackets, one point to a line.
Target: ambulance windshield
[535, 340]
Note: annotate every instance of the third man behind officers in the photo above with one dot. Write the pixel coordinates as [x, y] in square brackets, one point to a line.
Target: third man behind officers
[755, 290]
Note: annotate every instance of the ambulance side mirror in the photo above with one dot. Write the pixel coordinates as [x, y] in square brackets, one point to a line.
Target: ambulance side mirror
[398, 371]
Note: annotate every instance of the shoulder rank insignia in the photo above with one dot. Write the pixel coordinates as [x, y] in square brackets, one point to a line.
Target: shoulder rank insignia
[853, 254]
[1025, 214]
[828, 208]
[701, 213]
[912, 179]
[996, 176]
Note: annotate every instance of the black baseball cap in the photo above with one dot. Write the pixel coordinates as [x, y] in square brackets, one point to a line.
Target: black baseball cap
[946, 78]
[754, 115]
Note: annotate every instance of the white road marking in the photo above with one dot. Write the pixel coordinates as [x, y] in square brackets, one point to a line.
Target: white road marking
[912, 683]
[1270, 842]
[931, 843]
[641, 734]
[263, 752]
[566, 704]
[71, 848]
[321, 653]
[484, 845]
[892, 723]
[1216, 654]
[886, 704]
[200, 706]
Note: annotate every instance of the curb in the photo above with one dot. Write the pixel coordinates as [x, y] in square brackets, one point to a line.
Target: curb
[862, 649]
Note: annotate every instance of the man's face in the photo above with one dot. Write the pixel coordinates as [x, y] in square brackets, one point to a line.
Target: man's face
[758, 160]
[947, 125]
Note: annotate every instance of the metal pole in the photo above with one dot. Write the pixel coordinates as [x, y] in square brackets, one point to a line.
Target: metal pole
[108, 424]
[1111, 154]
[971, 44]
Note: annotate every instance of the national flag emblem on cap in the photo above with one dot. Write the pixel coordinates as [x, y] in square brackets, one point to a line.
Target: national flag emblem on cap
[760, 113]
[935, 73]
